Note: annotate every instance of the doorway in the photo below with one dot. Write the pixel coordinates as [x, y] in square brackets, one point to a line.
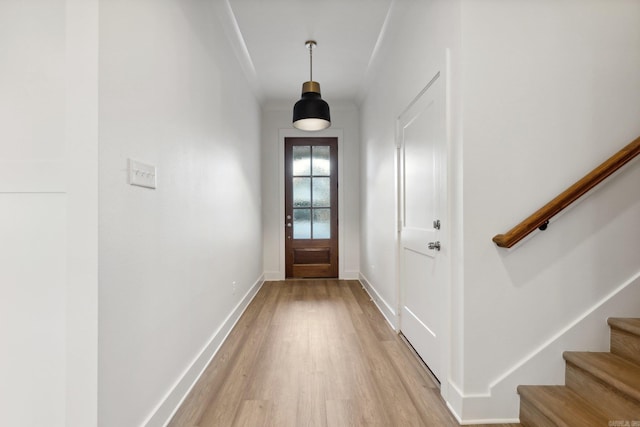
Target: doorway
[423, 246]
[311, 207]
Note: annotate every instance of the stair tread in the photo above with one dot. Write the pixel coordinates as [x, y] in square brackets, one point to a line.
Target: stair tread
[631, 325]
[563, 406]
[609, 368]
[625, 338]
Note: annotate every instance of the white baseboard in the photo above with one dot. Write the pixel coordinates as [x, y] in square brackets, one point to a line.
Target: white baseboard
[168, 406]
[277, 275]
[456, 396]
[350, 275]
[387, 311]
[499, 405]
[545, 365]
[483, 408]
[273, 276]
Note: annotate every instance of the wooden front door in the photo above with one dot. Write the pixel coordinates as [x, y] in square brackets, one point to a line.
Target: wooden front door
[311, 207]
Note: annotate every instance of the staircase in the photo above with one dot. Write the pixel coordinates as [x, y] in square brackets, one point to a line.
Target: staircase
[602, 389]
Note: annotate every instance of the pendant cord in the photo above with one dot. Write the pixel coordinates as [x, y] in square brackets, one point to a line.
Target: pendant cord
[310, 62]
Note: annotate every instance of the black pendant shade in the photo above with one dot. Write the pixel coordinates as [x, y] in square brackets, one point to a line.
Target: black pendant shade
[311, 112]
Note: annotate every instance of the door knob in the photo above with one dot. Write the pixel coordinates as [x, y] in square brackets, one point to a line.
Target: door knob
[288, 224]
[434, 245]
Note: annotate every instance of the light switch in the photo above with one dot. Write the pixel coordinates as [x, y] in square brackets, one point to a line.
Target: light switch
[141, 174]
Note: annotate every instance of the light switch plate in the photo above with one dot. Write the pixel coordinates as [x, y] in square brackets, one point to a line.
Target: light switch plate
[141, 174]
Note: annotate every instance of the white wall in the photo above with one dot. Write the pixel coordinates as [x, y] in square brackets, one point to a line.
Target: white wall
[48, 213]
[276, 124]
[171, 95]
[542, 92]
[551, 90]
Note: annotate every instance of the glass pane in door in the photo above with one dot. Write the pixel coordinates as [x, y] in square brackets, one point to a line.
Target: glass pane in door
[322, 223]
[301, 160]
[302, 223]
[321, 192]
[321, 161]
[301, 192]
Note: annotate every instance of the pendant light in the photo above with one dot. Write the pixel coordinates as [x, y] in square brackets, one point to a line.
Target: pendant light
[311, 112]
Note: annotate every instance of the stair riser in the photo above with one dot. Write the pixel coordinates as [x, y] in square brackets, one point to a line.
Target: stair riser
[598, 393]
[626, 345]
[531, 417]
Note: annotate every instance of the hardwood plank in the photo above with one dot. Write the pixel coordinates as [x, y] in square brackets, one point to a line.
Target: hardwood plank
[222, 410]
[340, 413]
[314, 353]
[422, 390]
[625, 338]
[200, 397]
[252, 413]
[614, 403]
[618, 373]
[558, 406]
[311, 400]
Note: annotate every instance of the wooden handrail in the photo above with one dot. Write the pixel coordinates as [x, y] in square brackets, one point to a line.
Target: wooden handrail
[541, 217]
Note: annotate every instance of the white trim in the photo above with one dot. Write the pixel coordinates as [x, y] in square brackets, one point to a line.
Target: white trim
[232, 30]
[491, 421]
[476, 421]
[413, 102]
[417, 319]
[566, 329]
[455, 400]
[79, 178]
[387, 311]
[454, 413]
[350, 275]
[168, 406]
[295, 133]
[370, 71]
[273, 275]
[587, 332]
[447, 338]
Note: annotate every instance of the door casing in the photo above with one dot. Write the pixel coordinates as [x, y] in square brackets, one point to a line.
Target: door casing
[295, 133]
[312, 251]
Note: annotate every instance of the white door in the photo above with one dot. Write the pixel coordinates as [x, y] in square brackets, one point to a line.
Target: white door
[422, 187]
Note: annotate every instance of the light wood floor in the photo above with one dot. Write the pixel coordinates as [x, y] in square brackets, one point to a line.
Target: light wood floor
[313, 353]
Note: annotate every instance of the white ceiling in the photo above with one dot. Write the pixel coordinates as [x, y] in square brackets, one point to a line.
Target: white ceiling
[274, 33]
